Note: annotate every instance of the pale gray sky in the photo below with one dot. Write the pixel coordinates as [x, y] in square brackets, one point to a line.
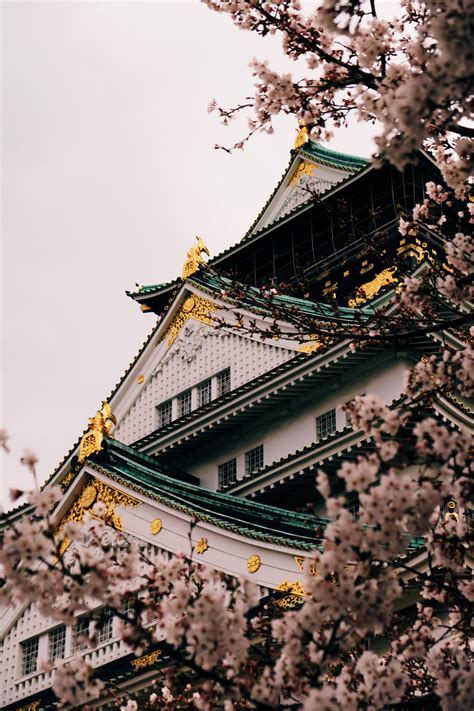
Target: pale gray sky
[108, 172]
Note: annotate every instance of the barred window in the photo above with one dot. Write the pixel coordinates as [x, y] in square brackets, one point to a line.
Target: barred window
[223, 382]
[29, 655]
[204, 392]
[80, 635]
[105, 626]
[184, 403]
[165, 413]
[128, 607]
[352, 504]
[326, 424]
[228, 472]
[57, 643]
[254, 459]
[152, 598]
[469, 518]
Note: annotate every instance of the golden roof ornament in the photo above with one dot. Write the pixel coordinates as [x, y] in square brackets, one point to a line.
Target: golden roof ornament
[302, 136]
[194, 258]
[100, 424]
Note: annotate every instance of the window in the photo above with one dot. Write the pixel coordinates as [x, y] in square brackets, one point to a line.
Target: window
[165, 413]
[57, 643]
[29, 655]
[80, 635]
[326, 424]
[204, 393]
[184, 403]
[228, 472]
[153, 597]
[254, 459]
[128, 607]
[105, 626]
[352, 504]
[223, 382]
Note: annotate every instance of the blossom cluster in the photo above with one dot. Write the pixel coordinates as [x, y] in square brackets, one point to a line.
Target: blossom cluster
[399, 73]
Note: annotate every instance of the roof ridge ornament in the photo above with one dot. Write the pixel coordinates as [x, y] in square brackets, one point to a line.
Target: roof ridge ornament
[302, 135]
[194, 258]
[100, 424]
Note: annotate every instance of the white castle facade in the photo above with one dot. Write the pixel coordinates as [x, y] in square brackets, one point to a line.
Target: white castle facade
[227, 425]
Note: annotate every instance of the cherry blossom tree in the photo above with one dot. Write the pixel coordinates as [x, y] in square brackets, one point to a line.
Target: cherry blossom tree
[228, 647]
[411, 75]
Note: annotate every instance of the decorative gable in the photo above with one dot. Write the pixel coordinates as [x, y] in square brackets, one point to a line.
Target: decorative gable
[198, 353]
[313, 171]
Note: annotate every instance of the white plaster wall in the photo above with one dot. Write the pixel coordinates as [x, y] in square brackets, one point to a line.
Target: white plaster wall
[284, 432]
[30, 624]
[198, 353]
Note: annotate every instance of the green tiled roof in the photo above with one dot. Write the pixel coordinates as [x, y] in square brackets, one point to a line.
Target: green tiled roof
[334, 159]
[312, 150]
[244, 517]
[209, 280]
[147, 475]
[151, 289]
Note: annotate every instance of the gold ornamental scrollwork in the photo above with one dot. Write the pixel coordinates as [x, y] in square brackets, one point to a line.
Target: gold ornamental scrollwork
[304, 168]
[101, 424]
[146, 660]
[301, 562]
[92, 492]
[195, 307]
[254, 563]
[194, 258]
[295, 597]
[33, 706]
[371, 288]
[67, 480]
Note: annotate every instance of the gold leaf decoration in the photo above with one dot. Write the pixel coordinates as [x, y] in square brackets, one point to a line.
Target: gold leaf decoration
[155, 526]
[195, 307]
[304, 168]
[194, 258]
[317, 343]
[302, 136]
[100, 424]
[296, 594]
[371, 288]
[300, 562]
[253, 563]
[93, 491]
[146, 660]
[202, 545]
[451, 512]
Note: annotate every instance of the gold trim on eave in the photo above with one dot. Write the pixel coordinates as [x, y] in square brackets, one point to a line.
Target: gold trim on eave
[195, 307]
[100, 424]
[146, 660]
[92, 492]
[316, 344]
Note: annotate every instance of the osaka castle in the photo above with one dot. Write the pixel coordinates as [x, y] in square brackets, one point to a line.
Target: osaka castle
[217, 428]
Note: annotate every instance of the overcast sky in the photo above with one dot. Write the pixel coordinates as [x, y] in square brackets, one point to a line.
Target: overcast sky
[108, 172]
